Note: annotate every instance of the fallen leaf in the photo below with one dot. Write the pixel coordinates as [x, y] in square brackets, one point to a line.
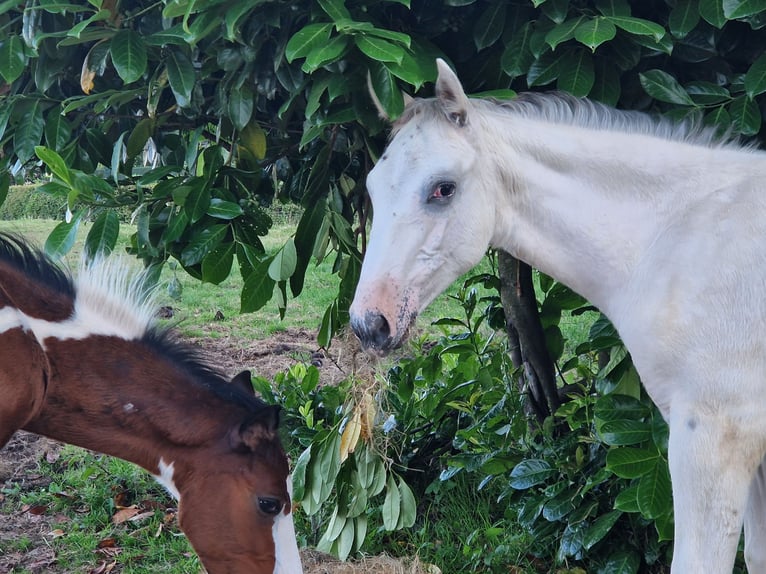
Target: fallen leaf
[125, 514]
[35, 509]
[106, 543]
[141, 516]
[56, 533]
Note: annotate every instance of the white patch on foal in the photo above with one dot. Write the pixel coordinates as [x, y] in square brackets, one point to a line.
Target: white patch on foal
[165, 478]
[288, 559]
[109, 301]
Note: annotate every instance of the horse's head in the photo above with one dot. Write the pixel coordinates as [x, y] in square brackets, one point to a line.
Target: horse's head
[432, 214]
[235, 508]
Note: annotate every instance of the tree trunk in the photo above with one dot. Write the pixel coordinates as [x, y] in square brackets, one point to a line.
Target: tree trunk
[529, 352]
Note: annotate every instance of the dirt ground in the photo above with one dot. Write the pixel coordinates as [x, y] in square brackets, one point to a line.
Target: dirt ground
[19, 459]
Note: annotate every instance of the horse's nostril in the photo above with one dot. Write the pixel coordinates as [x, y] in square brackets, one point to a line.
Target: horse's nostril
[373, 330]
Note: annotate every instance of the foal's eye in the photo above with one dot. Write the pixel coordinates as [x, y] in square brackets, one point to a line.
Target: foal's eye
[442, 190]
[272, 506]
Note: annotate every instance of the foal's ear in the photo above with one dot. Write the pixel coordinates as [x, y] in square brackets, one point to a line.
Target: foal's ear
[450, 94]
[247, 436]
[244, 382]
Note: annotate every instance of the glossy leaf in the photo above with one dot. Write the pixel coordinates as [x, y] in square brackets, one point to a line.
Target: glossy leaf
[61, 240]
[380, 50]
[12, 58]
[181, 76]
[216, 266]
[621, 562]
[613, 7]
[664, 87]
[517, 57]
[30, 131]
[735, 9]
[489, 25]
[55, 163]
[632, 462]
[241, 104]
[202, 243]
[745, 116]
[283, 265]
[563, 32]
[391, 505]
[683, 17]
[335, 9]
[544, 70]
[222, 209]
[128, 55]
[654, 492]
[712, 12]
[530, 473]
[577, 73]
[638, 26]
[257, 289]
[755, 78]
[103, 234]
[595, 32]
[328, 52]
[307, 40]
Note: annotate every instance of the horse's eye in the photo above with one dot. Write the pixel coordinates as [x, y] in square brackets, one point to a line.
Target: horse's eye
[442, 190]
[271, 506]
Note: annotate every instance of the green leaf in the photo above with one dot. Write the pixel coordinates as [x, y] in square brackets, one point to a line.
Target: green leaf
[556, 10]
[58, 130]
[595, 32]
[755, 78]
[707, 93]
[202, 243]
[327, 53]
[489, 25]
[391, 505]
[517, 57]
[632, 462]
[55, 163]
[408, 509]
[176, 226]
[197, 202]
[745, 116]
[638, 26]
[712, 12]
[606, 86]
[103, 235]
[241, 104]
[736, 9]
[379, 49]
[621, 562]
[234, 15]
[562, 32]
[299, 475]
[529, 473]
[544, 70]
[335, 9]
[13, 58]
[181, 75]
[664, 87]
[346, 539]
[683, 17]
[625, 432]
[600, 528]
[627, 500]
[327, 325]
[306, 40]
[216, 266]
[29, 132]
[62, 238]
[654, 492]
[283, 265]
[128, 55]
[5, 185]
[615, 407]
[257, 289]
[222, 209]
[613, 7]
[139, 136]
[386, 90]
[577, 73]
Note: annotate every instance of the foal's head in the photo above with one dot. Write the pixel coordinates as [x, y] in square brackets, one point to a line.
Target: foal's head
[433, 214]
[235, 503]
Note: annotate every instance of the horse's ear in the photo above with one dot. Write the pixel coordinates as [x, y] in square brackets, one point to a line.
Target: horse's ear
[247, 436]
[450, 94]
[375, 100]
[244, 382]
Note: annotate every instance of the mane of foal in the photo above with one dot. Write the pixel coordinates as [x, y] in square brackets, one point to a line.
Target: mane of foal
[105, 291]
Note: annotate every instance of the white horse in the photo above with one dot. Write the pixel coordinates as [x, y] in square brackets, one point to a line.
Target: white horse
[662, 226]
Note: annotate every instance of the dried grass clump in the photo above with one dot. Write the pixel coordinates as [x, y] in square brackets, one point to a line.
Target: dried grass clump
[319, 563]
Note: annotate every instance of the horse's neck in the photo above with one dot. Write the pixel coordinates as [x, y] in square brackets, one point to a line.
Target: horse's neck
[121, 407]
[586, 206]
